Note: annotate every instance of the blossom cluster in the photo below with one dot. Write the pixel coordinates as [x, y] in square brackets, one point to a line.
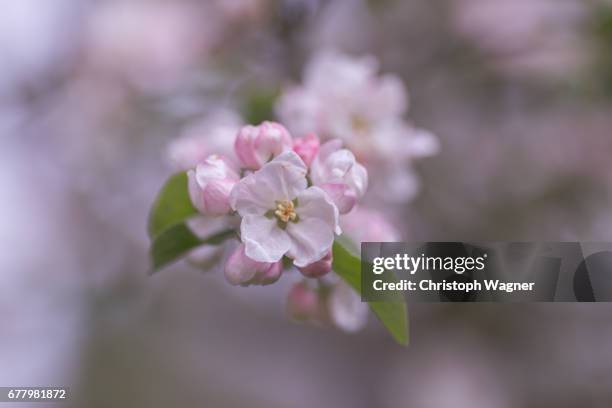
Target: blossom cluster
[285, 197]
[340, 97]
[345, 97]
[288, 197]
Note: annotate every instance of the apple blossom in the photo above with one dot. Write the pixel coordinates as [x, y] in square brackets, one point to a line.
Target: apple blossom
[337, 172]
[210, 185]
[319, 268]
[284, 198]
[257, 145]
[242, 270]
[281, 215]
[307, 147]
[344, 97]
[335, 304]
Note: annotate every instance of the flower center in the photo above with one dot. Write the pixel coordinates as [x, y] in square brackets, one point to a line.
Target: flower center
[360, 124]
[285, 211]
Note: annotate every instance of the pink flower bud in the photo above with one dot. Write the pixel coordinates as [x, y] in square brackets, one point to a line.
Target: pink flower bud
[318, 268]
[307, 147]
[304, 303]
[337, 172]
[210, 185]
[242, 270]
[257, 145]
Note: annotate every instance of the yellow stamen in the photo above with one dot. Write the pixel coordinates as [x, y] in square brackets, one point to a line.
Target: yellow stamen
[360, 124]
[285, 211]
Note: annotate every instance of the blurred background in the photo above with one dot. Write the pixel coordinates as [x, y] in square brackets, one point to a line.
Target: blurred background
[92, 93]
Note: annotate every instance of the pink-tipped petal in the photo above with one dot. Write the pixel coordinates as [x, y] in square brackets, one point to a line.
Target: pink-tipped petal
[257, 145]
[319, 268]
[240, 269]
[307, 147]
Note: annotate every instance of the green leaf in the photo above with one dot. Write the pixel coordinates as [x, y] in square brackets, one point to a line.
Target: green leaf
[347, 265]
[176, 241]
[172, 205]
[171, 238]
[392, 315]
[259, 105]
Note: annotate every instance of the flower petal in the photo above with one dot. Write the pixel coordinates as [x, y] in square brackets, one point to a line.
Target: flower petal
[311, 239]
[264, 241]
[195, 191]
[339, 167]
[340, 193]
[281, 179]
[315, 203]
[346, 309]
[358, 179]
[313, 235]
[242, 270]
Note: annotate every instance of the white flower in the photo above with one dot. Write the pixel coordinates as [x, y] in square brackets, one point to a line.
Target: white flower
[345, 97]
[282, 216]
[337, 172]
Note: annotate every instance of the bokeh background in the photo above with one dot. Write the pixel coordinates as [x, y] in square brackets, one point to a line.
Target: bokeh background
[92, 92]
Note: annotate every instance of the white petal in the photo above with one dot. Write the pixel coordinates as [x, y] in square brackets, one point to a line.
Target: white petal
[291, 158]
[195, 191]
[215, 168]
[340, 162]
[339, 166]
[311, 239]
[313, 235]
[346, 309]
[250, 197]
[330, 147]
[263, 239]
[318, 169]
[315, 203]
[281, 179]
[358, 179]
[342, 195]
